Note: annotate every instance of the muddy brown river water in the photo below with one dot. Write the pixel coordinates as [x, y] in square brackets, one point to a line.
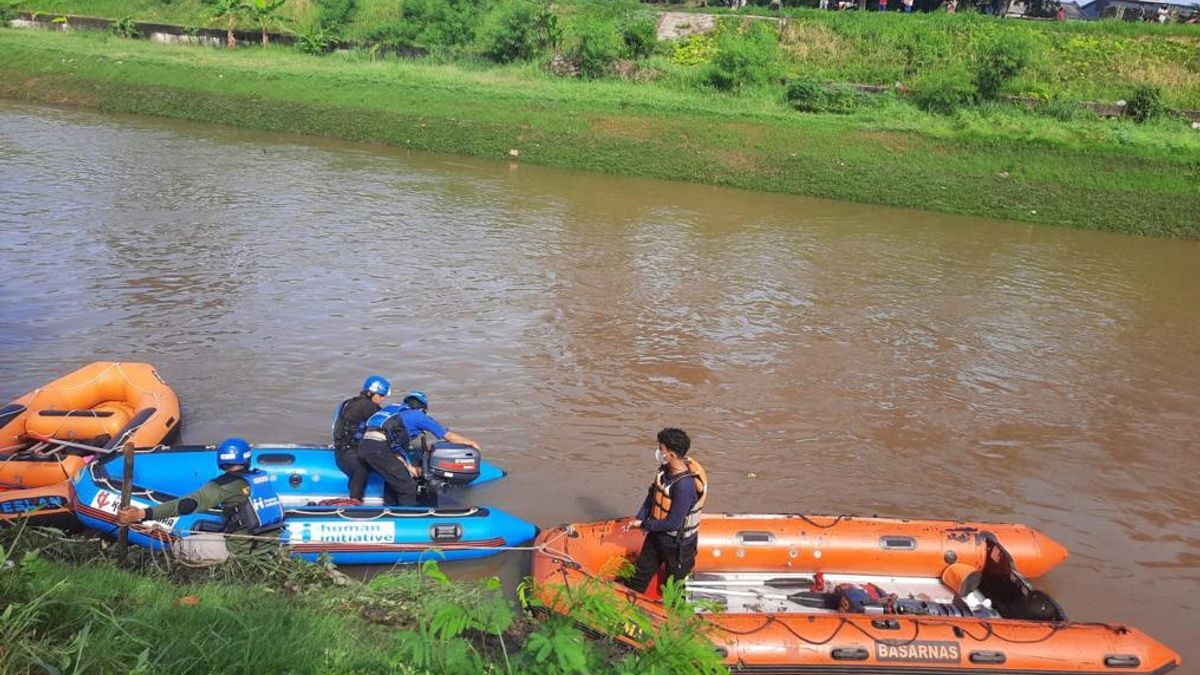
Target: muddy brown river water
[826, 357]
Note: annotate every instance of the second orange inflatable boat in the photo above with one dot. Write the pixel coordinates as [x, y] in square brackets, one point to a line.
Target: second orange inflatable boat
[104, 404]
[817, 594]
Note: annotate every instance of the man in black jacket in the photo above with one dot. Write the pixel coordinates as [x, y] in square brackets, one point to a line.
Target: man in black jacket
[348, 427]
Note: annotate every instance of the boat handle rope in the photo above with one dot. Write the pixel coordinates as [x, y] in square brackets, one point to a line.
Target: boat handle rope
[341, 512]
[836, 520]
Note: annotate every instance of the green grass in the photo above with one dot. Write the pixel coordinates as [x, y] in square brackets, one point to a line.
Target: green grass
[68, 609]
[98, 618]
[195, 13]
[190, 13]
[1076, 60]
[1093, 60]
[995, 161]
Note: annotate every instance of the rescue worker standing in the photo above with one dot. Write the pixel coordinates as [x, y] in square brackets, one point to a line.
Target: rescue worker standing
[348, 426]
[249, 503]
[670, 515]
[388, 445]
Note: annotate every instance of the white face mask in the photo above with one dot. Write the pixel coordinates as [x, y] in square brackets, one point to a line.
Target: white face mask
[658, 456]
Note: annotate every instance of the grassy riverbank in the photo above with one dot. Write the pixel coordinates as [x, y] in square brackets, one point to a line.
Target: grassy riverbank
[1095, 60]
[990, 160]
[69, 609]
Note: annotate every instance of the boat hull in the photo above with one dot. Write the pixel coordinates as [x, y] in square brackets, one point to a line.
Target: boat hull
[347, 535]
[113, 401]
[48, 506]
[105, 404]
[302, 475]
[584, 558]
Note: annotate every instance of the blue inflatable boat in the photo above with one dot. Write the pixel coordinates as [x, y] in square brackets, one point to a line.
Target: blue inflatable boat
[302, 475]
[349, 535]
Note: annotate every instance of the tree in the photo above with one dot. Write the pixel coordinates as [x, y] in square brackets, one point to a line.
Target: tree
[264, 13]
[228, 12]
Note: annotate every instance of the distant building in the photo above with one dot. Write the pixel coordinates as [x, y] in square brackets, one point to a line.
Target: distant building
[1074, 11]
[1132, 10]
[1046, 10]
[1136, 9]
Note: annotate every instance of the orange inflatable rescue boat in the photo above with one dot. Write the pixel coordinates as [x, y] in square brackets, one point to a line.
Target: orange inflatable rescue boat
[869, 596]
[104, 404]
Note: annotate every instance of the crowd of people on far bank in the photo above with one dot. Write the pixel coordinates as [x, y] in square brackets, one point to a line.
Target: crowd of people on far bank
[370, 437]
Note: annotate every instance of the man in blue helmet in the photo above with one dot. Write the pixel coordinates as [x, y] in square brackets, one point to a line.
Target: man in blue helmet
[349, 423]
[249, 504]
[390, 445]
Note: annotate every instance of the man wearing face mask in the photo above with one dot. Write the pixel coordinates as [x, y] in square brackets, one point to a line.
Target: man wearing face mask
[670, 514]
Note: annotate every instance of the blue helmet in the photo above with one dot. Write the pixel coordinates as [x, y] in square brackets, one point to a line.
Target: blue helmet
[233, 451]
[377, 385]
[419, 396]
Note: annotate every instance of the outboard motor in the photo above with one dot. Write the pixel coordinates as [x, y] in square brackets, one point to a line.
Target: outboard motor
[452, 463]
[956, 608]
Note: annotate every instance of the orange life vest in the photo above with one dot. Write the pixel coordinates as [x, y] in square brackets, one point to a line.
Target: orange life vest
[661, 502]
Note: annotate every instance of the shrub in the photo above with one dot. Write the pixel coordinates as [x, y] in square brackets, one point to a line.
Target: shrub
[8, 13]
[640, 36]
[125, 27]
[595, 43]
[427, 23]
[745, 57]
[518, 29]
[395, 33]
[693, 50]
[1065, 110]
[1146, 103]
[999, 58]
[316, 41]
[945, 91]
[808, 94]
[332, 15]
[921, 50]
[446, 23]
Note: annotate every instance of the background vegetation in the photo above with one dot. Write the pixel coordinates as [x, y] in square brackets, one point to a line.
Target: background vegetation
[992, 159]
[756, 103]
[1103, 60]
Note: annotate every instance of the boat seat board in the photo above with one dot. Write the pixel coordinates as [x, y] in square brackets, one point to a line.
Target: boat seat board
[758, 592]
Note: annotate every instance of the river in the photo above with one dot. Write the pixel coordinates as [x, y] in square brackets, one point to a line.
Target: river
[826, 357]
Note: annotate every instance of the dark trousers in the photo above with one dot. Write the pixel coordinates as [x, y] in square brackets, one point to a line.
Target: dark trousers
[663, 549]
[399, 488]
[354, 468]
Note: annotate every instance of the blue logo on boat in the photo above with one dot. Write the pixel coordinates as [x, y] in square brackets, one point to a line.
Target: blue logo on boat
[32, 504]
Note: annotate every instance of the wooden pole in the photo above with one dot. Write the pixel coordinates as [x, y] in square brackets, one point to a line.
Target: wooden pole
[126, 493]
